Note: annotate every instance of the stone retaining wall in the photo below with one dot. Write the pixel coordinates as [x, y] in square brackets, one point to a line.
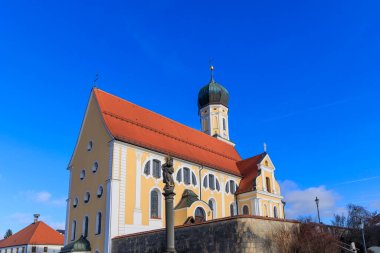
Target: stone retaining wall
[235, 234]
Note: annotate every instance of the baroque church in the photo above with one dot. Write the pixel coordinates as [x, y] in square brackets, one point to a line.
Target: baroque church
[116, 177]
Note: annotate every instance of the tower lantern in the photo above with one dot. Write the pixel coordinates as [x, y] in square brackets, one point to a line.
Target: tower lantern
[213, 109]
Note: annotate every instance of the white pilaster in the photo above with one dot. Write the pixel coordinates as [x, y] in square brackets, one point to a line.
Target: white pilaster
[223, 188]
[270, 208]
[113, 190]
[260, 210]
[137, 213]
[274, 189]
[123, 179]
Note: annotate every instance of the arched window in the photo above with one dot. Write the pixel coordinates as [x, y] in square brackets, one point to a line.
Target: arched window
[212, 182]
[265, 211]
[99, 193]
[155, 204]
[147, 168]
[95, 167]
[275, 212]
[212, 205]
[232, 210]
[186, 176]
[156, 168]
[85, 227]
[231, 186]
[193, 179]
[86, 197]
[89, 146]
[98, 223]
[245, 210]
[266, 163]
[179, 176]
[267, 180]
[73, 230]
[75, 202]
[200, 215]
[82, 174]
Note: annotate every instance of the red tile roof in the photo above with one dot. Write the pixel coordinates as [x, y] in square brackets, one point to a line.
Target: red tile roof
[133, 124]
[249, 171]
[36, 233]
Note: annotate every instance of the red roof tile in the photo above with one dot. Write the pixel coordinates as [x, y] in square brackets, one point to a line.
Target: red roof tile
[133, 124]
[36, 233]
[249, 171]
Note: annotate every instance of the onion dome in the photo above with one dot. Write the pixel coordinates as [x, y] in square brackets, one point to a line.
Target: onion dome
[212, 93]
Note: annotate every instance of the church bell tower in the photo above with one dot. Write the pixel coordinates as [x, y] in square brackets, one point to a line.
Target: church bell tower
[213, 109]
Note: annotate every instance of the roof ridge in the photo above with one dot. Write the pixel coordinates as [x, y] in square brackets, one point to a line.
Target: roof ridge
[163, 116]
[168, 135]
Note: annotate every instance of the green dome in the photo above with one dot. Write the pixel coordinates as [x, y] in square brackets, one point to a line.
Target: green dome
[212, 93]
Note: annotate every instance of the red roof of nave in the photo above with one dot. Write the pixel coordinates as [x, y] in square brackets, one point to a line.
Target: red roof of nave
[136, 125]
[37, 233]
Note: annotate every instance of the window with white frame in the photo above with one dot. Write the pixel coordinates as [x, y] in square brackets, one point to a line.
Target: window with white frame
[73, 229]
[212, 205]
[85, 227]
[186, 176]
[231, 187]
[98, 223]
[155, 204]
[212, 182]
[153, 168]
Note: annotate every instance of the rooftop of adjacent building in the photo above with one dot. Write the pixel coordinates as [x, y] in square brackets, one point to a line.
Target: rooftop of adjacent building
[37, 233]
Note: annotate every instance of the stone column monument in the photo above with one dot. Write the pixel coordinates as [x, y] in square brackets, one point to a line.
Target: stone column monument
[167, 172]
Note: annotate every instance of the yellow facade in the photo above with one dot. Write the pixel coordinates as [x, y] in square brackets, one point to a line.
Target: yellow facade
[125, 204]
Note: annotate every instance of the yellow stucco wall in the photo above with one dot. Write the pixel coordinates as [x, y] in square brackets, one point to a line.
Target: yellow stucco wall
[92, 129]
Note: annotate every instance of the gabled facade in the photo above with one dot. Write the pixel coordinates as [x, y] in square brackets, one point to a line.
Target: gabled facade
[35, 238]
[115, 171]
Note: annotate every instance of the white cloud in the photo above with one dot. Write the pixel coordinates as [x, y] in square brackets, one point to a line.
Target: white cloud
[20, 218]
[43, 197]
[301, 202]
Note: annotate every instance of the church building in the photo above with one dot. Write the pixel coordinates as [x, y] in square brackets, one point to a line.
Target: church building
[116, 177]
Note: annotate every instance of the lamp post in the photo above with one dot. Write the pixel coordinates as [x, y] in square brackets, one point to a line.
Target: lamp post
[317, 202]
[362, 228]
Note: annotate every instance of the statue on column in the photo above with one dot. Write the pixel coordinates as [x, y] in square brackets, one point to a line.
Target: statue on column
[167, 175]
[167, 172]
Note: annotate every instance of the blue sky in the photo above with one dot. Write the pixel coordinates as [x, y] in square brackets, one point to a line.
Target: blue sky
[303, 77]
